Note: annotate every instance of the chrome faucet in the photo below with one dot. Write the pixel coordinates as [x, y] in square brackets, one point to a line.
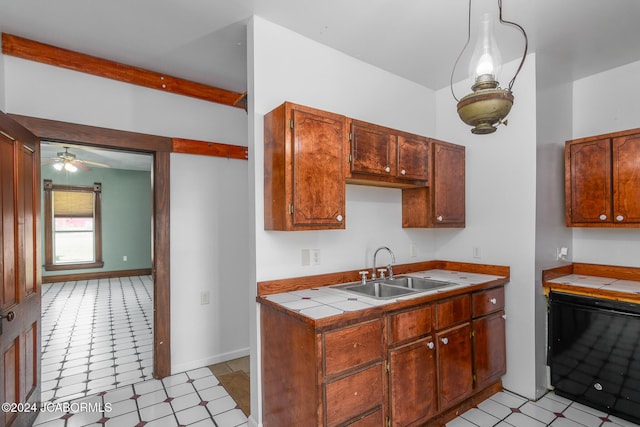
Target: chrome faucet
[389, 266]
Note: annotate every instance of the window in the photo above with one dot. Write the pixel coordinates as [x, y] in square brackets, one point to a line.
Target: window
[72, 226]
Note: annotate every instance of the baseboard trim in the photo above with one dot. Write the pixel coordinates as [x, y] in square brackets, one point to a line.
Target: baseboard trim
[96, 275]
[212, 360]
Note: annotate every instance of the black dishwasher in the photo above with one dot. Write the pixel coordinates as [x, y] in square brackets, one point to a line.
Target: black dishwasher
[594, 353]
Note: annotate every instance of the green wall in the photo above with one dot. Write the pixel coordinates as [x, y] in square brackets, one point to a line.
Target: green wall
[126, 216]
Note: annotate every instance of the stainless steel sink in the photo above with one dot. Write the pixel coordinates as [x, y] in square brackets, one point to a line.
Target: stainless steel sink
[417, 283]
[376, 290]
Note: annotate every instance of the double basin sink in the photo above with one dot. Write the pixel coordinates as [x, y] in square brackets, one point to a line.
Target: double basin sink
[394, 287]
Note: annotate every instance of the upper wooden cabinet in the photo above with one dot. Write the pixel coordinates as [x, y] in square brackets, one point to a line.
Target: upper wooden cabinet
[304, 169]
[442, 204]
[602, 180]
[377, 153]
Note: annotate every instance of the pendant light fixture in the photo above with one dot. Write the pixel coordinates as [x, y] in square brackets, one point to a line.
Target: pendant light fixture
[488, 105]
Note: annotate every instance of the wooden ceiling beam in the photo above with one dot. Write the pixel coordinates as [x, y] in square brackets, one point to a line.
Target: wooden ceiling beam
[59, 57]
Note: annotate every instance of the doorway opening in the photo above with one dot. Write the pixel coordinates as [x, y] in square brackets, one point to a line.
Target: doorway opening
[97, 315]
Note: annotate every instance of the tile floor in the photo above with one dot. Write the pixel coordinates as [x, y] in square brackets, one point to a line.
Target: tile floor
[506, 409]
[96, 335]
[97, 359]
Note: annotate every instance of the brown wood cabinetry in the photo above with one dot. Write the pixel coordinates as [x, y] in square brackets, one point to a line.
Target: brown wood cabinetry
[388, 156]
[442, 204]
[489, 350]
[304, 170]
[602, 180]
[403, 368]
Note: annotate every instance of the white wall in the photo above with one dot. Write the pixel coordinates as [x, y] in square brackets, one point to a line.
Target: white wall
[211, 192]
[602, 103]
[44, 91]
[554, 113]
[500, 211]
[284, 66]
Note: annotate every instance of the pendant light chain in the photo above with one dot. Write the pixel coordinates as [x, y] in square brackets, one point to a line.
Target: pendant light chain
[455, 65]
[526, 41]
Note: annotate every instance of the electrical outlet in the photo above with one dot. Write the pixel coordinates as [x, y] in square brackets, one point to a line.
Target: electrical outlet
[413, 250]
[315, 256]
[476, 251]
[204, 297]
[125, 258]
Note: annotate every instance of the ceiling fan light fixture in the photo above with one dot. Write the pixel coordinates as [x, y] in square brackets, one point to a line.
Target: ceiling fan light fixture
[69, 167]
[58, 166]
[489, 104]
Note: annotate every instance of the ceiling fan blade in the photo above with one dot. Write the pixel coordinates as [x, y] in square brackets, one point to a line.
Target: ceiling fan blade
[49, 162]
[89, 162]
[81, 165]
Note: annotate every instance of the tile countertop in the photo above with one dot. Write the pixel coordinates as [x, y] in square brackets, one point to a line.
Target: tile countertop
[327, 301]
[595, 285]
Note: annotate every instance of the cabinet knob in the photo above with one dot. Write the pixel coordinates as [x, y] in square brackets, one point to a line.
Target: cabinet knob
[504, 316]
[430, 346]
[439, 218]
[387, 169]
[603, 217]
[444, 340]
[493, 301]
[619, 218]
[403, 172]
[339, 218]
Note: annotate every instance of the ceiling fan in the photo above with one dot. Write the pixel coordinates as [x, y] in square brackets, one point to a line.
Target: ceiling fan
[68, 162]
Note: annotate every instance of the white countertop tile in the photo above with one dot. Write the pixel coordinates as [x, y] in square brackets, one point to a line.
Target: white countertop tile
[601, 283]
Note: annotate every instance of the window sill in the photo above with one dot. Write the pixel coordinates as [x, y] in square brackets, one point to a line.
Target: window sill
[79, 266]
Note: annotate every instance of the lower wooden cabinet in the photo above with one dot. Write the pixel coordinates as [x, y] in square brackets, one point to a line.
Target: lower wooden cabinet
[413, 382]
[406, 367]
[455, 374]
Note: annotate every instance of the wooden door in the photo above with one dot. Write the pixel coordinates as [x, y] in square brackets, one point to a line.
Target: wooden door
[455, 377]
[588, 184]
[413, 158]
[489, 349]
[19, 265]
[448, 184]
[373, 150]
[626, 179]
[318, 174]
[412, 382]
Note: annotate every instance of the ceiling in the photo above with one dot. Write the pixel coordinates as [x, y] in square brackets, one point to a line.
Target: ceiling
[112, 158]
[205, 40]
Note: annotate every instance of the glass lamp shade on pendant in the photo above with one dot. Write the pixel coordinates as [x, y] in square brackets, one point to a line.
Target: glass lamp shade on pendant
[488, 105]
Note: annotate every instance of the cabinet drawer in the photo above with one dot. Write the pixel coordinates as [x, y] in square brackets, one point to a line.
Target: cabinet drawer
[410, 324]
[350, 396]
[353, 346]
[453, 311]
[488, 301]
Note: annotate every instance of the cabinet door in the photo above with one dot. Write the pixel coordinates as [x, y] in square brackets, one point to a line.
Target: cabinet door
[588, 181]
[412, 382]
[489, 350]
[448, 184]
[455, 376]
[626, 179]
[413, 158]
[318, 175]
[373, 150]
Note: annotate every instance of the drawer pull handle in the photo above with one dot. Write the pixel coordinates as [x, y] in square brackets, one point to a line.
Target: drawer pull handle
[445, 340]
[430, 346]
[355, 393]
[493, 301]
